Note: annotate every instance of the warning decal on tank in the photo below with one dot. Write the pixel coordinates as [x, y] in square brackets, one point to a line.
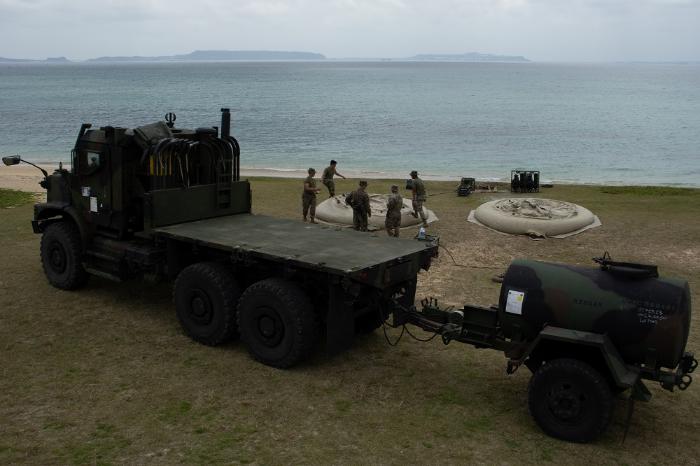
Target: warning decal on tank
[650, 316]
[514, 303]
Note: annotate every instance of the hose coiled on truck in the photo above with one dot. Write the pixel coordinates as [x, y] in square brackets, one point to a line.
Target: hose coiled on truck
[175, 162]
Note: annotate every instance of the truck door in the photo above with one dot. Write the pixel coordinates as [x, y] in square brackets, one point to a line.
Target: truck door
[95, 185]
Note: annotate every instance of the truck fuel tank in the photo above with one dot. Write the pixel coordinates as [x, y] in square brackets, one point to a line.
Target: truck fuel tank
[645, 316]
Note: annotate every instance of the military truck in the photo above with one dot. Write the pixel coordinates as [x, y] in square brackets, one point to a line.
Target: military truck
[164, 201]
[585, 333]
[466, 187]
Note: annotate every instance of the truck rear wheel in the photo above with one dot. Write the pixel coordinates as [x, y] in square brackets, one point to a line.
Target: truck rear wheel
[570, 400]
[277, 322]
[61, 256]
[206, 295]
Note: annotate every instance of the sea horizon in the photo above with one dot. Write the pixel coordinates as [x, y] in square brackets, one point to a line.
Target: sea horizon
[577, 123]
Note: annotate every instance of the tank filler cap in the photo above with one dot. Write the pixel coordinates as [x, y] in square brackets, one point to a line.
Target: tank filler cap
[627, 269]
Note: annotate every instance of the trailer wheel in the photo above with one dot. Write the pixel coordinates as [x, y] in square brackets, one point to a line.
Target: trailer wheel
[277, 322]
[61, 256]
[206, 295]
[570, 400]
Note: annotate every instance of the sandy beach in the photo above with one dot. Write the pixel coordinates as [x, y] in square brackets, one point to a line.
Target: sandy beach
[26, 178]
[22, 178]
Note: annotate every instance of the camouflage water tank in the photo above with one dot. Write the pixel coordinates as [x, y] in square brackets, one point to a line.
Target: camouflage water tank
[645, 317]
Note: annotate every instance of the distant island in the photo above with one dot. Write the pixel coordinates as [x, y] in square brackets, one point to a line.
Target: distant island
[220, 55]
[25, 60]
[469, 56]
[274, 55]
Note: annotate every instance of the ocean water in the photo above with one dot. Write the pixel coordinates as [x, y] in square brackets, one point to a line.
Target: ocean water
[584, 123]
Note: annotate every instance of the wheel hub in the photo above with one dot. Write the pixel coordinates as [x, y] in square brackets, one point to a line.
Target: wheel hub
[565, 402]
[267, 326]
[200, 308]
[270, 327]
[57, 257]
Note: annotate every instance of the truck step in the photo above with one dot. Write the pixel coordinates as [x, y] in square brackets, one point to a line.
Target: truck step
[103, 274]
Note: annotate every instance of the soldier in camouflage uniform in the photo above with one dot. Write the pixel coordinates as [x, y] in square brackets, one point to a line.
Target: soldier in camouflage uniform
[393, 212]
[359, 201]
[419, 197]
[327, 177]
[308, 196]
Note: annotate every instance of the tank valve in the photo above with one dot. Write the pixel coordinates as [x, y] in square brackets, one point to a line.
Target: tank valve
[688, 364]
[684, 382]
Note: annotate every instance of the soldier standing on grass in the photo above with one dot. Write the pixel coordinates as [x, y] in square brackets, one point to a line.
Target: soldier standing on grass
[308, 196]
[327, 177]
[419, 197]
[359, 201]
[393, 212]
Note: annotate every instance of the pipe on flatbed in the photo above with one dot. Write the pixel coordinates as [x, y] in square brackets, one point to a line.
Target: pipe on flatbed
[225, 123]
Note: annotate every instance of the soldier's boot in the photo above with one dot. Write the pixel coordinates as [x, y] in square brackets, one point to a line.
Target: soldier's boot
[423, 217]
[305, 218]
[313, 221]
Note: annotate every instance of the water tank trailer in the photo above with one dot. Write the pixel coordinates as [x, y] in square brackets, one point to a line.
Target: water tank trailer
[585, 333]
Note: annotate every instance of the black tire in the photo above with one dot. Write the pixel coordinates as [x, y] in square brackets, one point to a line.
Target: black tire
[206, 296]
[277, 322]
[61, 256]
[570, 400]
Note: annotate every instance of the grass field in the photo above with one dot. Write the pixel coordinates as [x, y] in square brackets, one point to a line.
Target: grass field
[105, 375]
[10, 198]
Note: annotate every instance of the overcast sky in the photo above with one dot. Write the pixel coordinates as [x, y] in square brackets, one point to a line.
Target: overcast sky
[542, 30]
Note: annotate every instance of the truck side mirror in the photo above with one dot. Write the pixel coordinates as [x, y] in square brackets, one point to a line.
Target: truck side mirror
[11, 160]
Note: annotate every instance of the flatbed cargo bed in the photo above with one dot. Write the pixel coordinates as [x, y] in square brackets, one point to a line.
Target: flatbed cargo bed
[330, 249]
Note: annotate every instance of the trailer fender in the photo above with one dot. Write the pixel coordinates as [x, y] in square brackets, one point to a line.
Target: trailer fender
[556, 342]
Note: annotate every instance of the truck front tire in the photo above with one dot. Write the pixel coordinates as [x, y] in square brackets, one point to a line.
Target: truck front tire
[570, 400]
[277, 322]
[206, 295]
[61, 256]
